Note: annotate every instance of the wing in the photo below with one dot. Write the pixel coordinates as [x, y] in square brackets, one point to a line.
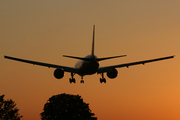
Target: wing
[66, 69]
[109, 68]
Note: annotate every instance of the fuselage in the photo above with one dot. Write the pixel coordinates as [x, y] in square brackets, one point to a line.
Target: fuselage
[88, 67]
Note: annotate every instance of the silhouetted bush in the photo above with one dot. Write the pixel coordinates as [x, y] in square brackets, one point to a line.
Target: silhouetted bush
[66, 107]
[8, 111]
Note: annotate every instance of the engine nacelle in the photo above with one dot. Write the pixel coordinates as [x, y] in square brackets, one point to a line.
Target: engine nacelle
[59, 73]
[112, 74]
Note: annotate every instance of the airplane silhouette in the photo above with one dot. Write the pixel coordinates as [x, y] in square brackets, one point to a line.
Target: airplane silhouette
[88, 65]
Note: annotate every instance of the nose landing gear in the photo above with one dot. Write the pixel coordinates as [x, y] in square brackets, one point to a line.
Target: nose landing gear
[102, 79]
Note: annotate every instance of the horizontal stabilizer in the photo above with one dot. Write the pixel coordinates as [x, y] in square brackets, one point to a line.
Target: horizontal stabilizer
[80, 58]
[100, 59]
[94, 58]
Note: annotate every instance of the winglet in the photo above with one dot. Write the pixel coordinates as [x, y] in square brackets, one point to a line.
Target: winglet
[93, 40]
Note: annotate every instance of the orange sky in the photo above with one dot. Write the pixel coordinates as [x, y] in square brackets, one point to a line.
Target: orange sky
[44, 30]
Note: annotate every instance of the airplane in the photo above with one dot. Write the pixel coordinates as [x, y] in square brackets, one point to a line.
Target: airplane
[88, 65]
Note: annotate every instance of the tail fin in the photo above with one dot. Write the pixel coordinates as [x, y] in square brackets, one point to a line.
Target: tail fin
[92, 53]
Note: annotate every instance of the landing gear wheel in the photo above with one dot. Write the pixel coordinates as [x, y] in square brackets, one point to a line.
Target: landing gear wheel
[72, 80]
[102, 80]
[82, 81]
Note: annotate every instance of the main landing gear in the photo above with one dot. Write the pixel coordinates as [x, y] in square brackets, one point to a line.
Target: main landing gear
[102, 79]
[82, 81]
[72, 79]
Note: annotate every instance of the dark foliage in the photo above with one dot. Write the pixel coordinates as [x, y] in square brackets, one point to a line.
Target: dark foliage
[66, 107]
[8, 111]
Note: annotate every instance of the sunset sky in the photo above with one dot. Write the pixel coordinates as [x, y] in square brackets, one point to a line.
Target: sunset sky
[44, 30]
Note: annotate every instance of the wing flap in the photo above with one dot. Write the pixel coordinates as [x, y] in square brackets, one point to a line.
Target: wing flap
[109, 68]
[66, 69]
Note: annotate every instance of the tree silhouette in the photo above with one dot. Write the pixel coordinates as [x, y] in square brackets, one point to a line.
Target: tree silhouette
[8, 111]
[66, 107]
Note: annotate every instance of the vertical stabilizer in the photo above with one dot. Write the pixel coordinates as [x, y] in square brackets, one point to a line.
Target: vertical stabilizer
[93, 40]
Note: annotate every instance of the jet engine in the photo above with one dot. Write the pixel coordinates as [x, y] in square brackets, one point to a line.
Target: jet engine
[112, 74]
[58, 73]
